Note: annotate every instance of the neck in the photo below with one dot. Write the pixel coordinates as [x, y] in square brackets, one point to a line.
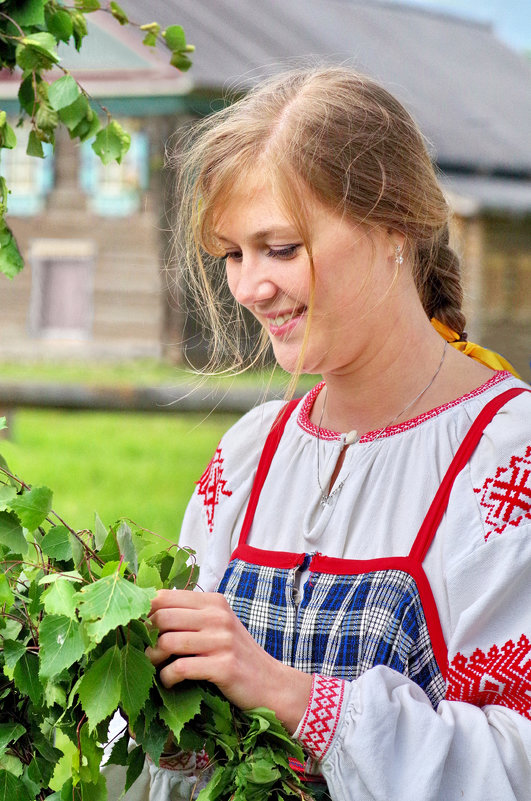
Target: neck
[382, 386]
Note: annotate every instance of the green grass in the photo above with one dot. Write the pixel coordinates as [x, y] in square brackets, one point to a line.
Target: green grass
[135, 465]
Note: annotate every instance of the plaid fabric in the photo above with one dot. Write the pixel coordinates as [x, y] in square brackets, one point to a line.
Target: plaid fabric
[344, 625]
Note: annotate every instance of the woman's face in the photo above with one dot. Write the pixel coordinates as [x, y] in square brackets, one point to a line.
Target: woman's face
[268, 272]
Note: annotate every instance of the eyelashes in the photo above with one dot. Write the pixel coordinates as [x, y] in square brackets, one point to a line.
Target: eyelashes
[287, 252]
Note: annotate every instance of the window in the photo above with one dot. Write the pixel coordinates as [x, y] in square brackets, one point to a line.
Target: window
[29, 179]
[115, 190]
[61, 305]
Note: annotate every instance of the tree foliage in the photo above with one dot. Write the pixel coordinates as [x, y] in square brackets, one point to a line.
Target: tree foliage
[30, 32]
[73, 632]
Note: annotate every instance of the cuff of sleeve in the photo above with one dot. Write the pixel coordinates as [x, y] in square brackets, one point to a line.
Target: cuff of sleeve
[318, 726]
[183, 761]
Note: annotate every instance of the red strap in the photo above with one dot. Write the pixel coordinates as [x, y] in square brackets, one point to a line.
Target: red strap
[271, 444]
[438, 506]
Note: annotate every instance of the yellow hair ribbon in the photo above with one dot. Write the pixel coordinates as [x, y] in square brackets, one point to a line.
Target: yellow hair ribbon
[487, 357]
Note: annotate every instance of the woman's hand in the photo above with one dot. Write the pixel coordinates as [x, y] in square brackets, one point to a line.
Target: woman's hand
[212, 644]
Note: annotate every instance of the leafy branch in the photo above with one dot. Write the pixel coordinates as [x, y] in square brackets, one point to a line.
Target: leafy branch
[30, 32]
[74, 609]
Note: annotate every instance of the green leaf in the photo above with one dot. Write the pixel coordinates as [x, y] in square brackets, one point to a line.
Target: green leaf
[79, 24]
[109, 551]
[37, 52]
[136, 763]
[136, 676]
[150, 39]
[28, 13]
[26, 676]
[11, 262]
[34, 147]
[7, 136]
[124, 539]
[181, 704]
[26, 95]
[61, 25]
[7, 493]
[175, 38]
[63, 92]
[180, 61]
[112, 143]
[120, 751]
[56, 544]
[6, 594]
[77, 549]
[221, 777]
[88, 5]
[100, 532]
[154, 739]
[110, 602]
[12, 789]
[33, 506]
[9, 733]
[76, 113]
[118, 13]
[13, 650]
[61, 644]
[70, 575]
[148, 576]
[92, 756]
[11, 533]
[99, 689]
[60, 599]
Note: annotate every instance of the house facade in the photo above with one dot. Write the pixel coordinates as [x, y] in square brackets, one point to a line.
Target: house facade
[100, 281]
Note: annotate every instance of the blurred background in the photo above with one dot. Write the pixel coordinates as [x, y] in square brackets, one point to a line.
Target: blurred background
[97, 331]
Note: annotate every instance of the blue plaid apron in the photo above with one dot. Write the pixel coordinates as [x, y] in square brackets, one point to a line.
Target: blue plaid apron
[354, 614]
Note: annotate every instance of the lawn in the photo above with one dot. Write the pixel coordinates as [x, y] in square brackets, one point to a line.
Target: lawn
[142, 466]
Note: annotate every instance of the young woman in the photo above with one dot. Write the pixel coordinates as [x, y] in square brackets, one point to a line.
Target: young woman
[365, 552]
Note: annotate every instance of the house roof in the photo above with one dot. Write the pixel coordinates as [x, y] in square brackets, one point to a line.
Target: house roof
[469, 92]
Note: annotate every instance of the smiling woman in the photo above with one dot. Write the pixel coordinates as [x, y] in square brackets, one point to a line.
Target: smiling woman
[365, 551]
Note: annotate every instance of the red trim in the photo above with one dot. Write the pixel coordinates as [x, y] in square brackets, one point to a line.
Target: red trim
[338, 566]
[306, 424]
[304, 421]
[438, 506]
[259, 556]
[268, 452]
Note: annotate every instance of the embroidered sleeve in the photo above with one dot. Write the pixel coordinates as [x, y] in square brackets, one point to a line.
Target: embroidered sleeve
[212, 486]
[504, 496]
[319, 724]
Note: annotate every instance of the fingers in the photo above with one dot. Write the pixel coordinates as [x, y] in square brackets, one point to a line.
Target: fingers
[184, 599]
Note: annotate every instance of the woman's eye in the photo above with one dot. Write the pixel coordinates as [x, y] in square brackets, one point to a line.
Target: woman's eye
[287, 252]
[235, 255]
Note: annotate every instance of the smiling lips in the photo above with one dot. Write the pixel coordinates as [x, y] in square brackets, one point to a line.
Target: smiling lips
[282, 324]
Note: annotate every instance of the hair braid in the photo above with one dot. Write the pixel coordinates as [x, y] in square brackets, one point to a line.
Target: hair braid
[439, 282]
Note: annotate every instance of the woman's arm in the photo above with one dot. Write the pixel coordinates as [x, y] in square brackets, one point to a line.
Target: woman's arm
[379, 738]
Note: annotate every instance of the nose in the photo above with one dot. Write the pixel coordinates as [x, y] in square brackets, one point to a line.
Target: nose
[249, 281]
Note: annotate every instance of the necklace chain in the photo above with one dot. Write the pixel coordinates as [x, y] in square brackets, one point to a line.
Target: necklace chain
[325, 496]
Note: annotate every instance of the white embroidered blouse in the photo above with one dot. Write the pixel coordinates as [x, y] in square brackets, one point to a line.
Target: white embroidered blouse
[378, 738]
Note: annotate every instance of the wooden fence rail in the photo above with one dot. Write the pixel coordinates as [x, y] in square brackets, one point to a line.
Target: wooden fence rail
[171, 399]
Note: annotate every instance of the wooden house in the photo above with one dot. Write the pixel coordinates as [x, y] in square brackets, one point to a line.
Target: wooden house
[469, 92]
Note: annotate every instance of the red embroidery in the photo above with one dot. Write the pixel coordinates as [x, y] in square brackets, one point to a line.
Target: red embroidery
[507, 496]
[322, 715]
[501, 677]
[306, 424]
[211, 485]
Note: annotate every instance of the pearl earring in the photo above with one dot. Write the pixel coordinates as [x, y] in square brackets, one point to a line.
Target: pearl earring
[399, 259]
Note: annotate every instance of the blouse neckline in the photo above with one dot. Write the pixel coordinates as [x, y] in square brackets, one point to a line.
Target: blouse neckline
[303, 417]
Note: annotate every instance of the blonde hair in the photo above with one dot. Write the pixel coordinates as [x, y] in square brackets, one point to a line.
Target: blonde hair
[348, 141]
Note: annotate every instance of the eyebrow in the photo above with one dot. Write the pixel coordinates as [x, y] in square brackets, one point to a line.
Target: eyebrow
[264, 233]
